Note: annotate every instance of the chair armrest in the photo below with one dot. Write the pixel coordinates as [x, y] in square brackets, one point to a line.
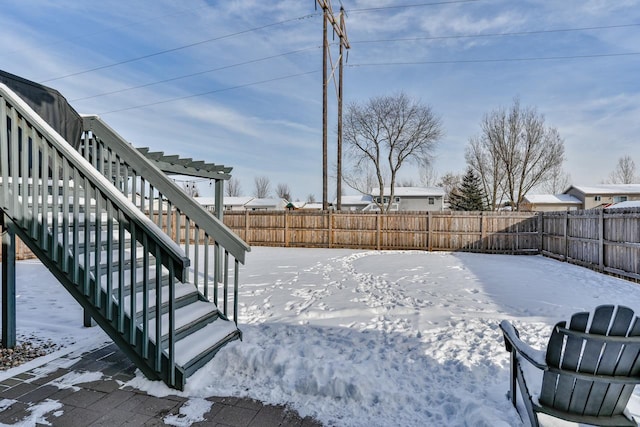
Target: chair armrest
[514, 343]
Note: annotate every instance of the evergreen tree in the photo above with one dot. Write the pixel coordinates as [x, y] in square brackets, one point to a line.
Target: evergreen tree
[469, 195]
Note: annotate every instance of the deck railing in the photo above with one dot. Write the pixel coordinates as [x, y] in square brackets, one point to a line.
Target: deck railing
[203, 237]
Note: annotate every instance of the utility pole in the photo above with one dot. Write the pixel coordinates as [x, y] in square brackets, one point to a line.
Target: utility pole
[340, 30]
[325, 48]
[343, 40]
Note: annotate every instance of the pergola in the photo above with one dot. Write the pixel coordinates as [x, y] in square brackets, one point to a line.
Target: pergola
[175, 165]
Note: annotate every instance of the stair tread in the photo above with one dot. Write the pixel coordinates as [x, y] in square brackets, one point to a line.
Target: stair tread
[103, 257]
[184, 316]
[202, 340]
[181, 290]
[127, 277]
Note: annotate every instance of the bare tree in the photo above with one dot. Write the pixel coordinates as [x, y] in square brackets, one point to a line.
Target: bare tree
[283, 191]
[558, 181]
[449, 181]
[311, 198]
[262, 187]
[362, 179]
[385, 133]
[428, 175]
[486, 163]
[406, 182]
[516, 150]
[625, 172]
[233, 188]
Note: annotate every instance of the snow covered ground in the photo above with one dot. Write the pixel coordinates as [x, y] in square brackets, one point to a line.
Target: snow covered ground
[366, 338]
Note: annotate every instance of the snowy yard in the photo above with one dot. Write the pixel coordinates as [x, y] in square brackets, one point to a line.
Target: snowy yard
[367, 338]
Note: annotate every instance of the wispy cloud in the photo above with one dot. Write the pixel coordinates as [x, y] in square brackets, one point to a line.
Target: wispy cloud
[253, 118]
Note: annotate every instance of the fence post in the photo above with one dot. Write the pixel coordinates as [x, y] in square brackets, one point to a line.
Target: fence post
[540, 232]
[330, 236]
[246, 226]
[566, 236]
[286, 229]
[378, 237]
[601, 240]
[429, 234]
[483, 232]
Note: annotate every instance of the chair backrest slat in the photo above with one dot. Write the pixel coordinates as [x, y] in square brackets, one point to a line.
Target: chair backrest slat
[570, 361]
[592, 352]
[608, 362]
[630, 356]
[554, 355]
[592, 355]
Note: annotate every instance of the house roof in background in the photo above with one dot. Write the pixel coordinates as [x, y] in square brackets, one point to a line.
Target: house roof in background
[411, 191]
[628, 204]
[261, 203]
[205, 201]
[237, 201]
[552, 199]
[227, 201]
[316, 206]
[607, 189]
[359, 199]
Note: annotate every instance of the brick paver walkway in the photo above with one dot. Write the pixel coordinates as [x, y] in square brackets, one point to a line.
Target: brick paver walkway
[39, 397]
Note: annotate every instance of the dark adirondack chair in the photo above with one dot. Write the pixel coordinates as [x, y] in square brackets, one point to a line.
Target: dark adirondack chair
[589, 370]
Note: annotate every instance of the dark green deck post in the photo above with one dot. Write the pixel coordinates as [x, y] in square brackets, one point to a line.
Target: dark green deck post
[87, 320]
[219, 201]
[8, 284]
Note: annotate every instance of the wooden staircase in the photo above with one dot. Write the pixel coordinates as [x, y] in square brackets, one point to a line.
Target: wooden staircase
[141, 257]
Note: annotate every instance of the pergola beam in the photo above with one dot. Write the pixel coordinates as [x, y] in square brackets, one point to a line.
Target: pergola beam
[173, 164]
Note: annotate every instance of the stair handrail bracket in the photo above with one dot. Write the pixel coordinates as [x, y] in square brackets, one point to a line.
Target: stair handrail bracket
[173, 255]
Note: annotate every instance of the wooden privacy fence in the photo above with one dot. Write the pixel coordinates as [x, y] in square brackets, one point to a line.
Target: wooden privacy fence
[603, 240]
[607, 240]
[491, 232]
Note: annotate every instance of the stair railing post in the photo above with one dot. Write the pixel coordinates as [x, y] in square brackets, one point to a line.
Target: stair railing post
[236, 281]
[172, 327]
[87, 321]
[8, 284]
[219, 204]
[226, 283]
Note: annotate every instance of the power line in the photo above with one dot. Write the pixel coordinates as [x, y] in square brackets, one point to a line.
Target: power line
[439, 3]
[107, 30]
[252, 61]
[166, 101]
[476, 61]
[162, 52]
[517, 33]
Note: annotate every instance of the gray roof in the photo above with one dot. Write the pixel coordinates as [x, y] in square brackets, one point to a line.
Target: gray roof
[261, 203]
[607, 189]
[360, 199]
[411, 191]
[227, 200]
[552, 199]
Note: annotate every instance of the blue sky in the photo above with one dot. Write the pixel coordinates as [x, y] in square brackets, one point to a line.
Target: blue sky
[239, 82]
